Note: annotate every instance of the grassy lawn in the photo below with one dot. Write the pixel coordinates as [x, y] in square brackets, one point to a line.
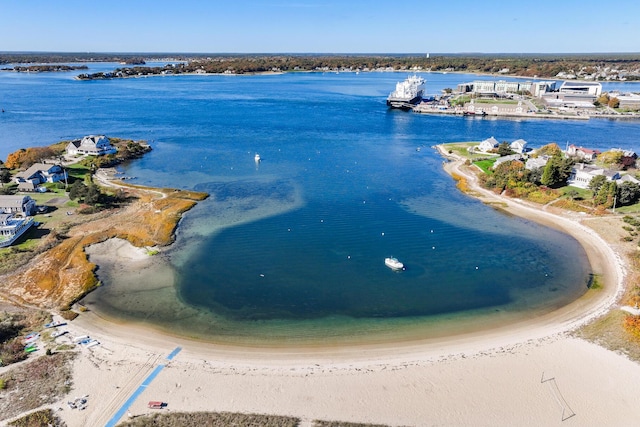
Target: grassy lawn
[629, 209]
[461, 149]
[486, 165]
[579, 193]
[496, 101]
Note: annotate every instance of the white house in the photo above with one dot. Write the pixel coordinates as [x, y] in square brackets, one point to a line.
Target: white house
[536, 162]
[581, 175]
[11, 228]
[488, 145]
[94, 145]
[519, 146]
[40, 173]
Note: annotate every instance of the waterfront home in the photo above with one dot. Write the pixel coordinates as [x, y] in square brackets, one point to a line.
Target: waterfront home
[536, 162]
[582, 174]
[519, 146]
[40, 173]
[18, 205]
[488, 144]
[582, 153]
[11, 228]
[93, 145]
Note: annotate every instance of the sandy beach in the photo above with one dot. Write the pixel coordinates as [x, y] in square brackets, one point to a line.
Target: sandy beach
[530, 373]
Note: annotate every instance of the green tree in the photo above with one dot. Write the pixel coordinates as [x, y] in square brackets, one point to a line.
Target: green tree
[504, 149]
[556, 171]
[92, 196]
[606, 195]
[628, 193]
[5, 176]
[535, 175]
[77, 190]
[596, 183]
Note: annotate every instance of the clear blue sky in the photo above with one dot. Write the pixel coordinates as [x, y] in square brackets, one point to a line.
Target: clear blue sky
[320, 26]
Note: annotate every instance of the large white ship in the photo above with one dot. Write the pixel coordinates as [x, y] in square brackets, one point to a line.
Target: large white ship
[407, 94]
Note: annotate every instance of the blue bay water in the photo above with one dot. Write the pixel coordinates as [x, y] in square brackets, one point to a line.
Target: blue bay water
[293, 247]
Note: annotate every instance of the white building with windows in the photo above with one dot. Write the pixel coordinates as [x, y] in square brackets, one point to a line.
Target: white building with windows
[93, 145]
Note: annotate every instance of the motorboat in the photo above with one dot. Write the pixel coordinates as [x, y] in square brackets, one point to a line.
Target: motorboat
[393, 263]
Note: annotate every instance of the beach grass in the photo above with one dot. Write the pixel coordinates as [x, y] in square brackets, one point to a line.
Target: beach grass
[43, 417]
[42, 381]
[210, 419]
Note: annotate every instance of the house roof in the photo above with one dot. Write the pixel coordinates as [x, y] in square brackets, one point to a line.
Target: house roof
[628, 178]
[12, 200]
[35, 168]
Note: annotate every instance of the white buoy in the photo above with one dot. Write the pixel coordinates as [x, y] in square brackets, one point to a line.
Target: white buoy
[383, 233]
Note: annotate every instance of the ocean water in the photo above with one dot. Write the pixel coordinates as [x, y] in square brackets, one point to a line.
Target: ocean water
[291, 249]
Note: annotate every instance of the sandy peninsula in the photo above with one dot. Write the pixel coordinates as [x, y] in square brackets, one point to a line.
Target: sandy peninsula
[530, 373]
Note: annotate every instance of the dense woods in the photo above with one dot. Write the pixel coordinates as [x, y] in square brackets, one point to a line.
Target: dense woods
[540, 65]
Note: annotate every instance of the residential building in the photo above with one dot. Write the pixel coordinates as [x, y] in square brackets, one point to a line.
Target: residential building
[11, 228]
[536, 162]
[581, 175]
[582, 153]
[519, 146]
[94, 145]
[40, 173]
[488, 145]
[19, 205]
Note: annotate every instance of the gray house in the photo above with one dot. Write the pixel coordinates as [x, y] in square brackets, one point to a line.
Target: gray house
[20, 205]
[40, 173]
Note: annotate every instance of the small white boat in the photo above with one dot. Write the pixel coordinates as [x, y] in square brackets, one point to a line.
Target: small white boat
[257, 157]
[54, 324]
[393, 263]
[92, 343]
[58, 333]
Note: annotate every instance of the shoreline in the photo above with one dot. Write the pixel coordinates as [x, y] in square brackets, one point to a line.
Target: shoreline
[504, 376]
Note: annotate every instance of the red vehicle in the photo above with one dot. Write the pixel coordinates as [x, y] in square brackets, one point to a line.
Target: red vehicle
[156, 405]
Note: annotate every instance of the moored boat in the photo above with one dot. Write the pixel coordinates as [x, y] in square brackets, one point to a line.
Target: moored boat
[393, 263]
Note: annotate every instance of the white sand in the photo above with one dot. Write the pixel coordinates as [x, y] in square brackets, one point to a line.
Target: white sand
[482, 379]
